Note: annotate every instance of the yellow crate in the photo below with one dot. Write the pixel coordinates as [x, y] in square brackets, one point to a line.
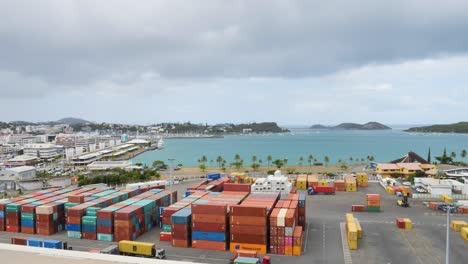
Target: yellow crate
[408, 223]
[359, 229]
[352, 244]
[457, 225]
[352, 231]
[464, 233]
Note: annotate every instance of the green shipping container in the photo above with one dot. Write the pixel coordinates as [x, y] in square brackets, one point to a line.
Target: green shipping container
[373, 209]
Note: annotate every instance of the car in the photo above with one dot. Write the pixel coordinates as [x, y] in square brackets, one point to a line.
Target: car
[407, 183]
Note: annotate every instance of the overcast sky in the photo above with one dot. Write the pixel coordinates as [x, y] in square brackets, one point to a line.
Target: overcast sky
[294, 62]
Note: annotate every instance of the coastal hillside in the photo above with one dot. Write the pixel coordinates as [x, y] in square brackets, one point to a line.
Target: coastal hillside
[460, 127]
[354, 126]
[72, 121]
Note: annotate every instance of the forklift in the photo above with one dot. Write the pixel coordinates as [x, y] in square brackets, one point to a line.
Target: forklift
[405, 195]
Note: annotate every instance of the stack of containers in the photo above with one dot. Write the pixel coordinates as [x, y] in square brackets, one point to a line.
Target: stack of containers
[132, 221]
[283, 222]
[373, 202]
[105, 216]
[458, 225]
[353, 231]
[301, 182]
[4, 203]
[13, 210]
[361, 179]
[339, 185]
[350, 184]
[464, 233]
[165, 234]
[210, 219]
[312, 181]
[181, 228]
[249, 222]
[302, 210]
[297, 243]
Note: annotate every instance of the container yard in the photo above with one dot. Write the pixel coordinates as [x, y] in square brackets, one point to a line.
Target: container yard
[213, 219]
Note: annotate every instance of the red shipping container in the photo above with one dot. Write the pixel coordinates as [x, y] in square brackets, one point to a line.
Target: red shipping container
[104, 229]
[246, 229]
[22, 241]
[209, 209]
[28, 230]
[273, 231]
[248, 210]
[290, 217]
[89, 235]
[180, 243]
[208, 227]
[13, 229]
[358, 208]
[248, 238]
[248, 220]
[280, 231]
[240, 187]
[180, 228]
[273, 216]
[273, 249]
[205, 218]
[165, 236]
[210, 245]
[45, 231]
[180, 235]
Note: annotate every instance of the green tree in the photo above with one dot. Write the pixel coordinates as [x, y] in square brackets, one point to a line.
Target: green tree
[202, 167]
[285, 162]
[453, 155]
[254, 159]
[219, 160]
[350, 160]
[309, 160]
[255, 166]
[204, 159]
[301, 161]
[139, 164]
[260, 161]
[326, 159]
[159, 164]
[444, 159]
[429, 155]
[279, 163]
[463, 154]
[269, 159]
[237, 157]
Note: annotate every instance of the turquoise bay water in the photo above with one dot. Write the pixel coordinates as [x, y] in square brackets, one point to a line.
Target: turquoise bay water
[336, 144]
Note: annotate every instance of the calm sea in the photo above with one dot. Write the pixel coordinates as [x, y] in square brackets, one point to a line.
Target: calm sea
[336, 144]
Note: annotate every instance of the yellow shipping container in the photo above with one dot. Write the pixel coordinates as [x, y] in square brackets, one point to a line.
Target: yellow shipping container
[323, 183]
[352, 244]
[351, 187]
[359, 229]
[464, 233]
[361, 177]
[259, 248]
[457, 225]
[352, 231]
[138, 248]
[408, 223]
[297, 250]
[349, 217]
[390, 190]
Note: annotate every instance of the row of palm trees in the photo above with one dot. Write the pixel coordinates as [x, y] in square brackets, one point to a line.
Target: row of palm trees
[238, 162]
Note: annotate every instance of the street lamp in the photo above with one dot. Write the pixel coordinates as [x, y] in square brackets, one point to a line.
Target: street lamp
[447, 246]
[171, 161]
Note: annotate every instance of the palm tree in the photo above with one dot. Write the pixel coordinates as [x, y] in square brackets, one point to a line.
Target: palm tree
[219, 159]
[204, 159]
[237, 157]
[453, 155]
[463, 154]
[326, 159]
[269, 159]
[285, 161]
[211, 163]
[254, 159]
[351, 160]
[301, 160]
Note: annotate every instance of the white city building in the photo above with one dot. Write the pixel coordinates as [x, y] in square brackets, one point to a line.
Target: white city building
[42, 150]
[18, 173]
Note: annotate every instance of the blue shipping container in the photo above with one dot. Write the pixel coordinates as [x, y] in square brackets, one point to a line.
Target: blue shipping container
[53, 244]
[210, 236]
[74, 227]
[88, 228]
[2, 214]
[183, 216]
[104, 222]
[34, 242]
[213, 176]
[27, 223]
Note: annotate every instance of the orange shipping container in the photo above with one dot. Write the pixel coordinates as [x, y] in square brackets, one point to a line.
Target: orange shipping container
[288, 250]
[260, 249]
[210, 245]
[373, 197]
[246, 229]
[297, 251]
[373, 203]
[205, 218]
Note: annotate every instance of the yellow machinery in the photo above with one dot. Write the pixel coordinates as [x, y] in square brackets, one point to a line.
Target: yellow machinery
[405, 193]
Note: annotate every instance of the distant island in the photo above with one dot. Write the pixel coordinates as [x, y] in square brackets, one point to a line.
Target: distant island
[460, 127]
[354, 126]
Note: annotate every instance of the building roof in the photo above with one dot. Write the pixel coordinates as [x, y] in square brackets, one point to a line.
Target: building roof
[411, 157]
[22, 169]
[40, 145]
[138, 141]
[21, 158]
[387, 166]
[409, 166]
[427, 166]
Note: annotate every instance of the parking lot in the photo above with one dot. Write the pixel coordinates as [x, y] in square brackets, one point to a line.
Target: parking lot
[383, 242]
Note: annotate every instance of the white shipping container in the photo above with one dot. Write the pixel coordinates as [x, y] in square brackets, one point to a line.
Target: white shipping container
[281, 218]
[44, 209]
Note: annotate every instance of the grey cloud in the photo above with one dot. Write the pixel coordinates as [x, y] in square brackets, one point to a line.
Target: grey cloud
[81, 42]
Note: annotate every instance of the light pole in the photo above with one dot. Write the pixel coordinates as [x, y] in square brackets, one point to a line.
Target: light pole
[171, 161]
[447, 246]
